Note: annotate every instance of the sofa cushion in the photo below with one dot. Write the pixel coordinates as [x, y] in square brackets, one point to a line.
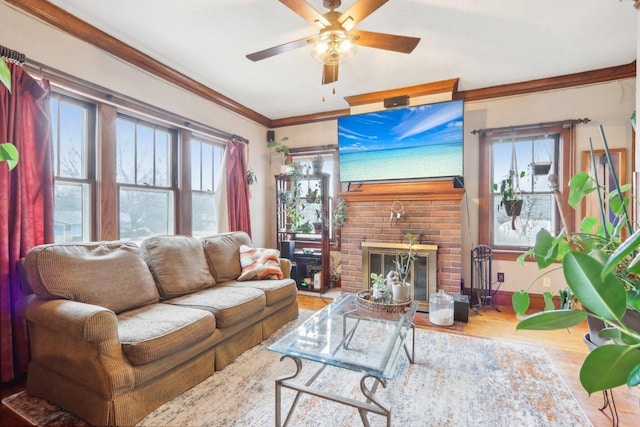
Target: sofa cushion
[113, 275]
[158, 330]
[223, 254]
[178, 264]
[274, 290]
[229, 305]
[259, 263]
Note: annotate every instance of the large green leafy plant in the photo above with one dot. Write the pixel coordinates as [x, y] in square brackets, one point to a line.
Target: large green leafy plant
[601, 270]
[8, 151]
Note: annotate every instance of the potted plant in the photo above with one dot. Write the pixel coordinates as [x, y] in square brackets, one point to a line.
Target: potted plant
[602, 271]
[541, 168]
[510, 196]
[335, 271]
[338, 218]
[399, 278]
[281, 149]
[251, 177]
[380, 290]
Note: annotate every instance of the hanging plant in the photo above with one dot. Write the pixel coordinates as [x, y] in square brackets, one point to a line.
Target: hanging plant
[251, 177]
[511, 198]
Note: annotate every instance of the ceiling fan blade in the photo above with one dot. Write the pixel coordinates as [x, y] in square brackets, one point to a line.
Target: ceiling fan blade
[307, 12]
[392, 42]
[329, 73]
[276, 50]
[358, 11]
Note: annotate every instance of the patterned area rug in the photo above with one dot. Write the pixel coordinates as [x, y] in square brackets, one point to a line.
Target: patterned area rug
[456, 381]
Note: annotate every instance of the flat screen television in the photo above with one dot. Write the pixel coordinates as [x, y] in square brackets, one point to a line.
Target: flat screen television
[412, 143]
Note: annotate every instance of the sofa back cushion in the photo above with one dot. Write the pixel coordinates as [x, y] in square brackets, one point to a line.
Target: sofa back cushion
[178, 264]
[223, 254]
[113, 275]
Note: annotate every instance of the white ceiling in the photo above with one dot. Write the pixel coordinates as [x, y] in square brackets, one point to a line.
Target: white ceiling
[483, 43]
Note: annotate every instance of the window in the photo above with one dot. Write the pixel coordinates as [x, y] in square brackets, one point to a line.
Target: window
[144, 174]
[117, 169]
[72, 139]
[206, 162]
[536, 154]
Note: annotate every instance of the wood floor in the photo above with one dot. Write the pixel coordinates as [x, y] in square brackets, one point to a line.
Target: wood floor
[565, 349]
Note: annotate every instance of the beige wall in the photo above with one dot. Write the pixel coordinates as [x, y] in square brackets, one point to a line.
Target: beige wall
[60, 51]
[609, 104]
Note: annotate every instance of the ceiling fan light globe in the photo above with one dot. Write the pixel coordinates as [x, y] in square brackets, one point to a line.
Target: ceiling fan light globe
[320, 48]
[333, 47]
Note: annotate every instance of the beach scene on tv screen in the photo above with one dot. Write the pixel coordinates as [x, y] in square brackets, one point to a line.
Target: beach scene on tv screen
[409, 143]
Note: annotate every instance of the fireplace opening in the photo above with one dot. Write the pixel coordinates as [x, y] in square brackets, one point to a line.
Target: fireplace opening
[378, 257]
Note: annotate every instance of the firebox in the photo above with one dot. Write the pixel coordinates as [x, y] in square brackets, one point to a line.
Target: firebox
[378, 257]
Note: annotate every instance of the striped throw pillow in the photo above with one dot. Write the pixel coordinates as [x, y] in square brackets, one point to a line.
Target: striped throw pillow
[259, 263]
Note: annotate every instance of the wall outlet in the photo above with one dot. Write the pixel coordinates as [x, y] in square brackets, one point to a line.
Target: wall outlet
[546, 282]
[501, 277]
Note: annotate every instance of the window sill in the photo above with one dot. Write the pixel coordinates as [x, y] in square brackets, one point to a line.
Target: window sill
[508, 255]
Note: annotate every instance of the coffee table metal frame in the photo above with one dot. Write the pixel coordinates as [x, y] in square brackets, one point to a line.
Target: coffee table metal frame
[292, 345]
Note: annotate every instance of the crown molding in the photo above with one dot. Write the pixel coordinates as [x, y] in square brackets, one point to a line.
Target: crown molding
[76, 27]
[551, 83]
[59, 18]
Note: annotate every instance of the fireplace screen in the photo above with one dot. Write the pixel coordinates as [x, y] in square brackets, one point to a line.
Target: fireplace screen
[378, 258]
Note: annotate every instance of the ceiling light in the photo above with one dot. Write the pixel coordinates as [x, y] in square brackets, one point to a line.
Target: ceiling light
[333, 47]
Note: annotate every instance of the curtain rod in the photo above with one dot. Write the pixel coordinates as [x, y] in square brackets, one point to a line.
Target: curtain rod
[563, 123]
[92, 90]
[12, 55]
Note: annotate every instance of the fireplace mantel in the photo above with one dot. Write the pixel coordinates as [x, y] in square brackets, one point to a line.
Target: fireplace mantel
[429, 190]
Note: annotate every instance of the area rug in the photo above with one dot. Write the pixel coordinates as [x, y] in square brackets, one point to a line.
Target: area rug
[456, 381]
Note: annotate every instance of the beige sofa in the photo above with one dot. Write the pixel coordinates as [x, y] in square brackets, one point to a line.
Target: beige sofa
[116, 329]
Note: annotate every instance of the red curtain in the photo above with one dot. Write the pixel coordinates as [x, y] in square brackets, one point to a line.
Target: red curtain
[26, 206]
[237, 188]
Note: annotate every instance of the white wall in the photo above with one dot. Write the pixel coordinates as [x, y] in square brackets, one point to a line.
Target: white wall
[58, 50]
[609, 104]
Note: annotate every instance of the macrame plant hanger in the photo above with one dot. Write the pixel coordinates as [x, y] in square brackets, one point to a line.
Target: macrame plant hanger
[513, 167]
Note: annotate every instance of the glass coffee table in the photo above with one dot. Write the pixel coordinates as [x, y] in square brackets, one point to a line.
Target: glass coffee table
[345, 336]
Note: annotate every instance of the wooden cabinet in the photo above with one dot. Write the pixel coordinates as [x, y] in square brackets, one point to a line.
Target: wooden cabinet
[302, 209]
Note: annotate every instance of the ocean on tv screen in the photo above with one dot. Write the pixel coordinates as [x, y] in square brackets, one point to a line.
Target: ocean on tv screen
[409, 143]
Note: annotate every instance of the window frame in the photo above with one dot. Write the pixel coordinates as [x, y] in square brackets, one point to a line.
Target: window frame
[215, 178]
[90, 136]
[173, 165]
[565, 171]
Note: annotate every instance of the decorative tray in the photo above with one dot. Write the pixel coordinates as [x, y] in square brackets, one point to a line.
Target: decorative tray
[373, 308]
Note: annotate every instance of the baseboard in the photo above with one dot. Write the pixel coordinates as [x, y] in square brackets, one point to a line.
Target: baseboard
[503, 298]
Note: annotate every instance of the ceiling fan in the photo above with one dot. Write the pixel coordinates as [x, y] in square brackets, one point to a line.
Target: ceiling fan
[337, 39]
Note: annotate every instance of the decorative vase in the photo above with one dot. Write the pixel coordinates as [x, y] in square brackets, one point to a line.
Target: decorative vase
[400, 292]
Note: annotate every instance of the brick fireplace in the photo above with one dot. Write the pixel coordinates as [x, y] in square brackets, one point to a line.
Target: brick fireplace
[432, 211]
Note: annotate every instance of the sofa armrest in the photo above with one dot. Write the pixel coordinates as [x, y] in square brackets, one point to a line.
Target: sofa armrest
[80, 342]
[83, 321]
[285, 266]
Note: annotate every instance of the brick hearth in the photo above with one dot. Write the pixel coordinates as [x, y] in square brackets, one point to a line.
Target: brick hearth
[433, 209]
